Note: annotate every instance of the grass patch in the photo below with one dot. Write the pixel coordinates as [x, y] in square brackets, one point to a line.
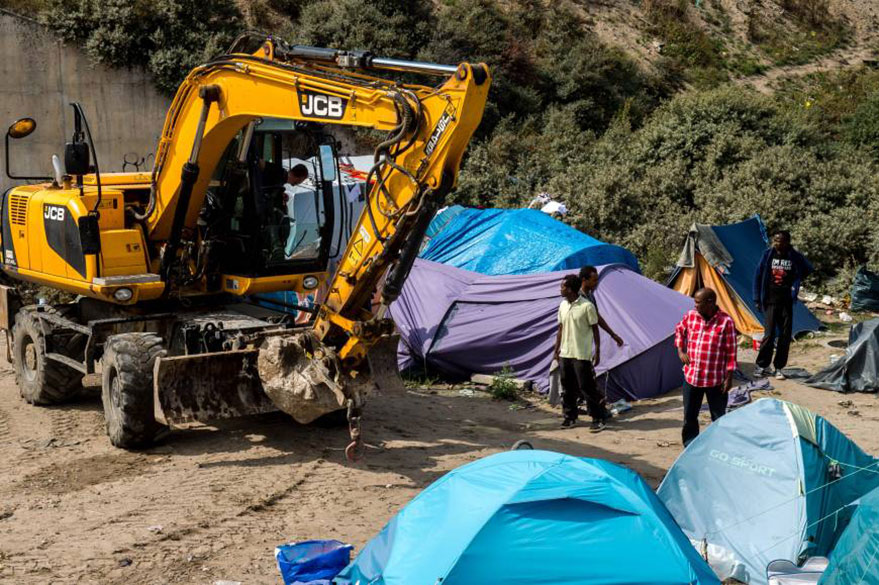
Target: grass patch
[689, 52]
[419, 380]
[805, 32]
[798, 47]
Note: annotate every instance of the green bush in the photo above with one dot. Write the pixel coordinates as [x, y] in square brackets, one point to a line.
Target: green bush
[716, 157]
[168, 37]
[861, 127]
[503, 386]
[390, 28]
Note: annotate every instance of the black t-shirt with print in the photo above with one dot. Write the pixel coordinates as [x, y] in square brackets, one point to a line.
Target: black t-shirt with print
[781, 277]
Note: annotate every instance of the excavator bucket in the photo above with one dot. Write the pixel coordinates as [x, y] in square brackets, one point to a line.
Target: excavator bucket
[296, 374]
[304, 378]
[208, 386]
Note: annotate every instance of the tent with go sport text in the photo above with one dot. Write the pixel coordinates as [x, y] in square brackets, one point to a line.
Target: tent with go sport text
[766, 482]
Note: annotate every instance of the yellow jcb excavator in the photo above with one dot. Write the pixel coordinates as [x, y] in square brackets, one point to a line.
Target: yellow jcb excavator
[163, 263]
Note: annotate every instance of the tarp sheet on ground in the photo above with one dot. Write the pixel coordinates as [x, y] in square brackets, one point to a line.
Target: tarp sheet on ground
[531, 517]
[855, 558]
[768, 481]
[458, 323]
[865, 291]
[725, 257]
[858, 369]
[516, 241]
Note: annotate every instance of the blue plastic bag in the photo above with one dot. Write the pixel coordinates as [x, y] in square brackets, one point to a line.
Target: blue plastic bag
[314, 562]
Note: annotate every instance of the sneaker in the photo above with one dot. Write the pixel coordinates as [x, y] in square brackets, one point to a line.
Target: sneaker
[760, 372]
[597, 426]
[568, 423]
[779, 375]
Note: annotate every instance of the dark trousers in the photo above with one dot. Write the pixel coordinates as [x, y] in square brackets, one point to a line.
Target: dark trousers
[578, 378]
[693, 403]
[778, 316]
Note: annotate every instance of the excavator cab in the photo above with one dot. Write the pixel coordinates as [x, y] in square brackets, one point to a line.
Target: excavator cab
[270, 202]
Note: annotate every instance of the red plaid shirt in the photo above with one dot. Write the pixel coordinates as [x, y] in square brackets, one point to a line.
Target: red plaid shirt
[711, 346]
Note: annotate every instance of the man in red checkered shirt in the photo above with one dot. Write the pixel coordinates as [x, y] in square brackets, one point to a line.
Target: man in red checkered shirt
[706, 342]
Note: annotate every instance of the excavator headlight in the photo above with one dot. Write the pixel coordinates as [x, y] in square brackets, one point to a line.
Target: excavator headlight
[122, 294]
[22, 128]
[310, 282]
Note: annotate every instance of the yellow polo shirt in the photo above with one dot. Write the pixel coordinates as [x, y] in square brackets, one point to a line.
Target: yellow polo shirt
[576, 320]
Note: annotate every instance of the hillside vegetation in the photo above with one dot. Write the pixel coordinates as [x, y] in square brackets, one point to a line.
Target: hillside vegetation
[642, 115]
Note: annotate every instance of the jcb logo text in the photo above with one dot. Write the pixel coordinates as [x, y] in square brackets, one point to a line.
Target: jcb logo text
[54, 212]
[318, 105]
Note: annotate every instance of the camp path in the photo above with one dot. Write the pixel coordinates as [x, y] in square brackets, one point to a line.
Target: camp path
[213, 501]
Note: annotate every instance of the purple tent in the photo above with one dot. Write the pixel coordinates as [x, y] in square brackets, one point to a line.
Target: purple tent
[458, 323]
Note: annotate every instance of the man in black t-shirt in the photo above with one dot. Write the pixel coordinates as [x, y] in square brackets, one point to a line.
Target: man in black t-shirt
[776, 284]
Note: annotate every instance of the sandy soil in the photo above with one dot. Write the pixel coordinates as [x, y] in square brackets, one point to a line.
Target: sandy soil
[213, 501]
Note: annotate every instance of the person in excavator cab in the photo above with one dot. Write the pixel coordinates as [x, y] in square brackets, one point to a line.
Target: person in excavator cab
[301, 211]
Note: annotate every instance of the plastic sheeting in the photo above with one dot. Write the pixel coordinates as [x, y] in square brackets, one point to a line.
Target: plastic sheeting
[858, 369]
[865, 291]
[524, 517]
[460, 323]
[768, 481]
[855, 558]
[517, 241]
[313, 562]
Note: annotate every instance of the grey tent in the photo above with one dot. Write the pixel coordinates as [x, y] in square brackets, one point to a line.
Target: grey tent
[858, 369]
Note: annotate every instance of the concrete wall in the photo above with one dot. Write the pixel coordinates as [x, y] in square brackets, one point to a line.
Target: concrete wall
[40, 76]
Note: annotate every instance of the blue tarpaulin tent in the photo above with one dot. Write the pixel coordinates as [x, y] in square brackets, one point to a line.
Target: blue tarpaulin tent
[517, 241]
[723, 256]
[768, 481]
[855, 558]
[532, 517]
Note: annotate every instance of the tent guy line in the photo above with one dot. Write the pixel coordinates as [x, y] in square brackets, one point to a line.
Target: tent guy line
[795, 498]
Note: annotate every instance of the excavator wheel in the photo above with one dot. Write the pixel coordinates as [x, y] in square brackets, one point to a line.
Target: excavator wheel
[40, 380]
[127, 389]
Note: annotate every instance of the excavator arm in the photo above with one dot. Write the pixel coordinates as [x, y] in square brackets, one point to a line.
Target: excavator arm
[429, 128]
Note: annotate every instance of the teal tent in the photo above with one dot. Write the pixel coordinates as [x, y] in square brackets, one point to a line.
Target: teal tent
[766, 482]
[531, 518]
[855, 558]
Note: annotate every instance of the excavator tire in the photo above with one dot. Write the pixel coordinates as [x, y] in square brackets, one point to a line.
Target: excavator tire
[40, 380]
[127, 389]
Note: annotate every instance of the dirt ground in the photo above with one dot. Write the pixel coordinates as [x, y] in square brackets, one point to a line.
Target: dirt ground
[211, 502]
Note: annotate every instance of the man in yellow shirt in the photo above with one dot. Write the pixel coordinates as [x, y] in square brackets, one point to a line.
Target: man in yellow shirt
[578, 328]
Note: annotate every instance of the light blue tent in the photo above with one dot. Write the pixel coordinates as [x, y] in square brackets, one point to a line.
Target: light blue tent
[528, 518]
[855, 558]
[516, 241]
[768, 481]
